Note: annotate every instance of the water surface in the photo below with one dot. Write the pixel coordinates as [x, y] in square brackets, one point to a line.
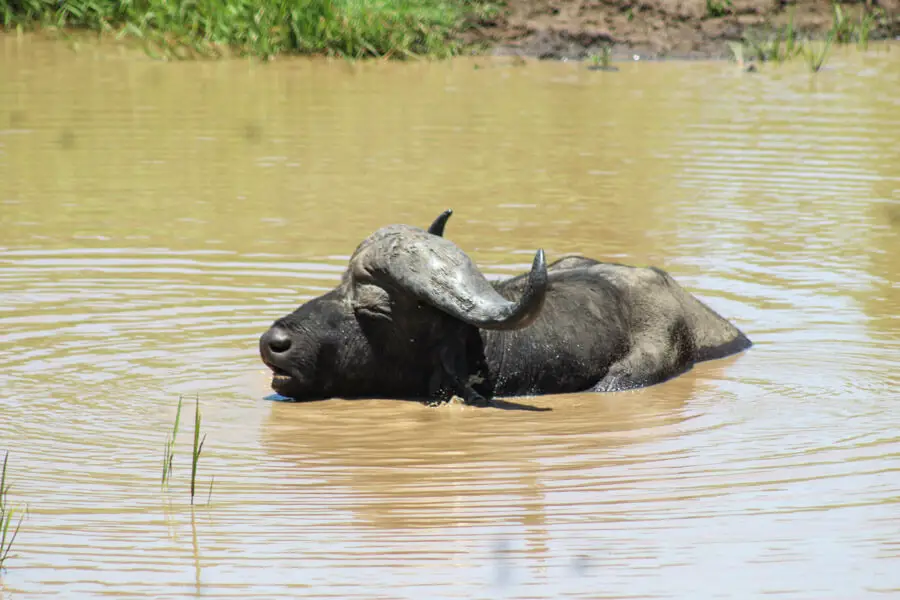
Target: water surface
[155, 218]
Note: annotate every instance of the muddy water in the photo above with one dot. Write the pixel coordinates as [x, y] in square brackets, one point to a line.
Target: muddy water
[155, 218]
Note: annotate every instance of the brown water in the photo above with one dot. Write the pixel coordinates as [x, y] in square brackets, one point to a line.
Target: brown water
[155, 218]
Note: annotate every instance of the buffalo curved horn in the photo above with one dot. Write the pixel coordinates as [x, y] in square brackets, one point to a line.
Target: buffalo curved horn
[436, 271]
[437, 227]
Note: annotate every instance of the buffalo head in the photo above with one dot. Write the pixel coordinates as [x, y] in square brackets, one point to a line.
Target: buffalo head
[402, 323]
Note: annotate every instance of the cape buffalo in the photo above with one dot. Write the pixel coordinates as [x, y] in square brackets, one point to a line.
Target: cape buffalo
[413, 317]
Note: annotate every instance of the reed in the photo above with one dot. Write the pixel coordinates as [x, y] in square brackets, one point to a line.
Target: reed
[778, 46]
[867, 22]
[198, 448]
[169, 451]
[791, 40]
[198, 442]
[7, 514]
[602, 61]
[816, 53]
[846, 30]
[785, 43]
[842, 28]
[181, 29]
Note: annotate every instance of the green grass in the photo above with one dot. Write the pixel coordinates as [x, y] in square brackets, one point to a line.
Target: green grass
[718, 8]
[778, 46]
[169, 454]
[264, 28]
[7, 514]
[867, 22]
[785, 43]
[847, 30]
[816, 53]
[603, 59]
[198, 448]
[169, 450]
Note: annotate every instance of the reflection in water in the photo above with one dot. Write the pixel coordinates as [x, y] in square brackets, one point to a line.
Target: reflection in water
[196, 550]
[424, 474]
[157, 220]
[396, 460]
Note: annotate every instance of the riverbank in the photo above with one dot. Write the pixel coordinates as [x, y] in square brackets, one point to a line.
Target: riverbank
[548, 29]
[577, 29]
[265, 28]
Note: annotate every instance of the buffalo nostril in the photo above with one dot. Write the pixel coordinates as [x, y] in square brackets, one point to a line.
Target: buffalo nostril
[278, 340]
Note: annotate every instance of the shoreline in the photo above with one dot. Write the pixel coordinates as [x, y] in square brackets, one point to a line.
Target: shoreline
[675, 29]
[562, 30]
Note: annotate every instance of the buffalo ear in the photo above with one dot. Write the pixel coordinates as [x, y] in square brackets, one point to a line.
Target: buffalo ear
[437, 227]
[372, 301]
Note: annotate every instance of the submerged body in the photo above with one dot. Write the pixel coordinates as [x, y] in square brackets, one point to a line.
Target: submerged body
[414, 318]
[606, 327]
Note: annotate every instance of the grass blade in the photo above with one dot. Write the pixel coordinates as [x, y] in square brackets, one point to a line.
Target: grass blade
[170, 446]
[4, 553]
[6, 516]
[198, 448]
[3, 487]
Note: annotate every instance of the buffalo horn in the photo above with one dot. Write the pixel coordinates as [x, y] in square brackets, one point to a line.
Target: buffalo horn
[436, 271]
[437, 228]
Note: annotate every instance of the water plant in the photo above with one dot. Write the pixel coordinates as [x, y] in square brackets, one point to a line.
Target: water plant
[7, 514]
[198, 448]
[207, 28]
[791, 43]
[844, 30]
[778, 46]
[867, 22]
[169, 454]
[601, 61]
[816, 53]
[785, 43]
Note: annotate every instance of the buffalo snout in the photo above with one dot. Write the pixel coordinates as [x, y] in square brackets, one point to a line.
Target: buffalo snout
[275, 344]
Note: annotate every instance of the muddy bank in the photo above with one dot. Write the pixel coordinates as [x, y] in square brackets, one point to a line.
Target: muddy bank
[576, 29]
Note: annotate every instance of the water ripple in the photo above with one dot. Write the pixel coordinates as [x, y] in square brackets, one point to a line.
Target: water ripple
[131, 277]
